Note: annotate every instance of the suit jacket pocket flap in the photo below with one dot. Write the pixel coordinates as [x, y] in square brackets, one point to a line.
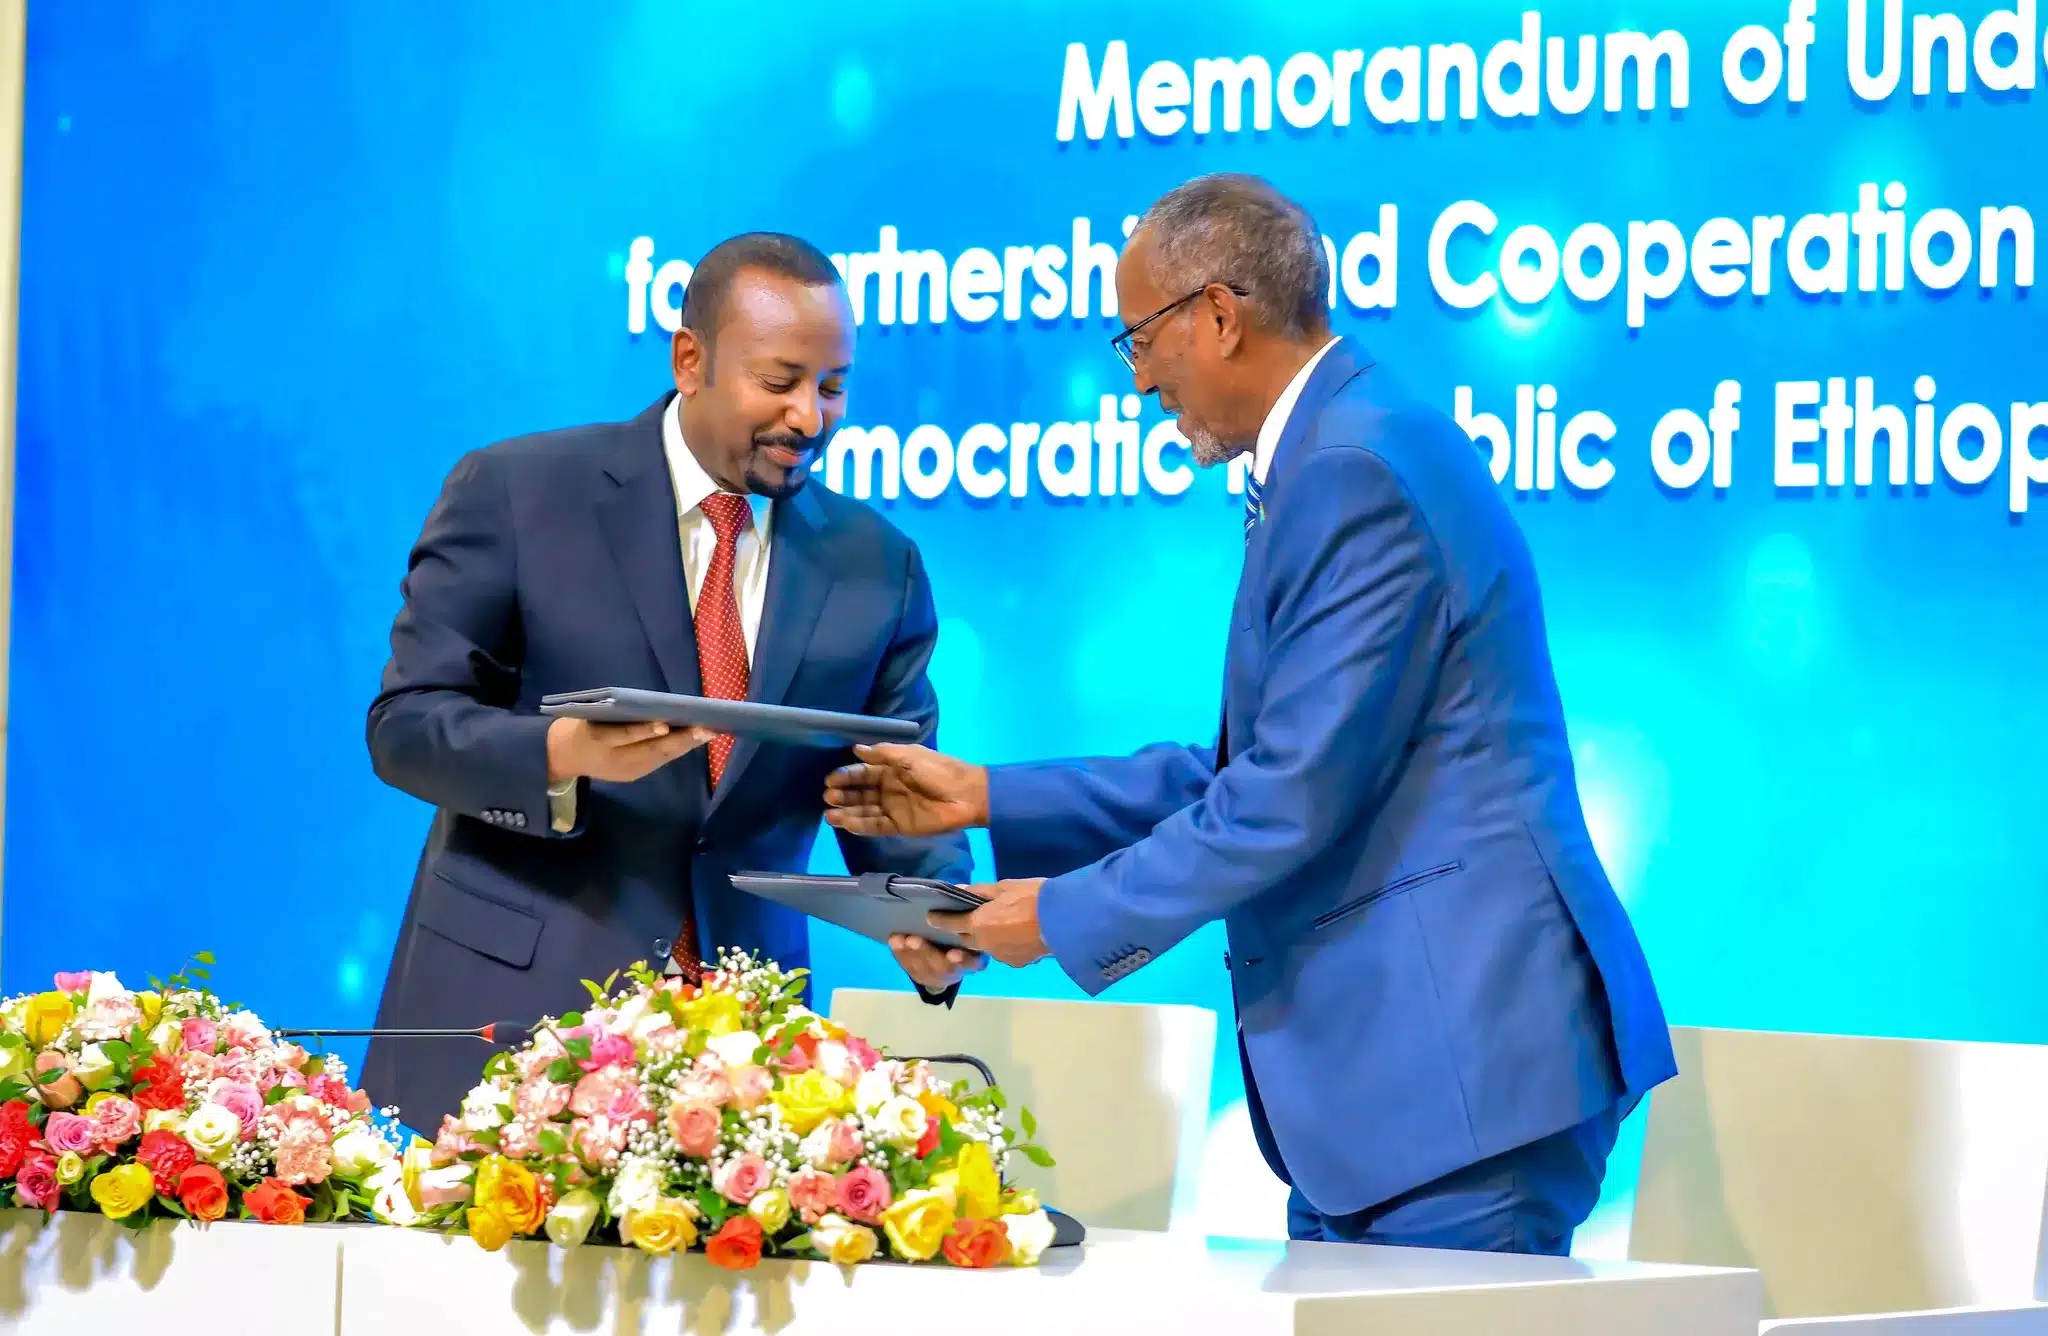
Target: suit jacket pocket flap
[497, 930]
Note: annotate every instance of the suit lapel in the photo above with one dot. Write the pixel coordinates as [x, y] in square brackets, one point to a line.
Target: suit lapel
[799, 579]
[639, 521]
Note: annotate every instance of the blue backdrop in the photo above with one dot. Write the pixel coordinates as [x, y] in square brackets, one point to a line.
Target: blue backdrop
[283, 264]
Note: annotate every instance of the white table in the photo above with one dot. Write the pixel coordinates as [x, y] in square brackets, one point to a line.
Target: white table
[395, 1282]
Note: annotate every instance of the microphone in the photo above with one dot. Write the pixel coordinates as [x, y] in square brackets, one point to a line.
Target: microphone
[512, 1030]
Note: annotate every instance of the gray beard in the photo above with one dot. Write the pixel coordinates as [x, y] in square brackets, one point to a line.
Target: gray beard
[1209, 450]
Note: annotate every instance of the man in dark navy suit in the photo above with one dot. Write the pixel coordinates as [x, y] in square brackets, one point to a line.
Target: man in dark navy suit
[1443, 1011]
[679, 551]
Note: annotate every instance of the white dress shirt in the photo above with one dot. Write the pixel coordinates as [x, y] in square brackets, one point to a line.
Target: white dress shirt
[1283, 408]
[699, 541]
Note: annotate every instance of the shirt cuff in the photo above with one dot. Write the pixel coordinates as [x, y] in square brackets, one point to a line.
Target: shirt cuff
[562, 806]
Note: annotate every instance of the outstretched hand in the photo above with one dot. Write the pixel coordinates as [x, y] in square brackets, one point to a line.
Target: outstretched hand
[901, 789]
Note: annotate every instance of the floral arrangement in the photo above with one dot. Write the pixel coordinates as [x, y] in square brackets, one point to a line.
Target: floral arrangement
[731, 1118]
[170, 1103]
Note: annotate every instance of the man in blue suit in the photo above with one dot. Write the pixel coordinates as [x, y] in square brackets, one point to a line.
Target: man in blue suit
[1443, 1012]
[679, 551]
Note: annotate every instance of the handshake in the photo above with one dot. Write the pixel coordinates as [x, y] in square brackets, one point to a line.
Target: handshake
[895, 789]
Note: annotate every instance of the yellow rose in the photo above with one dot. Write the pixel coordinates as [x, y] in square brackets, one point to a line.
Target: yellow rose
[123, 1191]
[809, 1098]
[918, 1223]
[1021, 1202]
[510, 1190]
[490, 1229]
[771, 1208]
[13, 1057]
[661, 1228]
[981, 1190]
[46, 1017]
[152, 1004]
[70, 1168]
[843, 1242]
[713, 1013]
[418, 1158]
[940, 1105]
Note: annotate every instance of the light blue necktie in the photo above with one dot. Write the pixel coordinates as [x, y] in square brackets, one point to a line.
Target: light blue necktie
[1254, 504]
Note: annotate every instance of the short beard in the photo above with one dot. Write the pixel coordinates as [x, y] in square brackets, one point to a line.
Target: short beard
[1209, 449]
[788, 487]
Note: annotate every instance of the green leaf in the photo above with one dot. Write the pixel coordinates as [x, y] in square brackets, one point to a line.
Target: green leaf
[488, 1137]
[571, 1019]
[596, 993]
[995, 1097]
[552, 1142]
[201, 974]
[950, 1141]
[717, 1210]
[1030, 1123]
[562, 1070]
[203, 957]
[578, 1049]
[12, 1089]
[276, 1094]
[500, 1064]
[1038, 1155]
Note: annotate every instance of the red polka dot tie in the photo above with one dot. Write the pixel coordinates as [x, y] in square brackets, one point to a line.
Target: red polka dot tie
[721, 661]
[721, 639]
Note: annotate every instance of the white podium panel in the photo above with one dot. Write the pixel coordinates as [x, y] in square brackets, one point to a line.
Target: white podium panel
[394, 1282]
[79, 1273]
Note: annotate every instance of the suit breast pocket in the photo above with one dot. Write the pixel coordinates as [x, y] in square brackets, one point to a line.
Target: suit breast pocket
[469, 918]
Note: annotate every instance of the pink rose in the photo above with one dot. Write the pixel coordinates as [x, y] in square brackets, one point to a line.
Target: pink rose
[751, 1086]
[243, 1030]
[739, 1179]
[198, 1067]
[330, 1090]
[845, 1145]
[608, 1050]
[119, 1121]
[234, 1065]
[836, 1061]
[37, 1186]
[73, 981]
[796, 1060]
[864, 1194]
[541, 1100]
[242, 1100]
[304, 1154]
[613, 1092]
[200, 1034]
[814, 1193]
[695, 1127]
[865, 1056]
[706, 1085]
[69, 1133]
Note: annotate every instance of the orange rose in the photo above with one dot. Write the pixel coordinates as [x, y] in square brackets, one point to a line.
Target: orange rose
[737, 1244]
[274, 1203]
[977, 1243]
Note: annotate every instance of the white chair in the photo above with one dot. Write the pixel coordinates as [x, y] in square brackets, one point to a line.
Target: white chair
[1120, 1092]
[1889, 1186]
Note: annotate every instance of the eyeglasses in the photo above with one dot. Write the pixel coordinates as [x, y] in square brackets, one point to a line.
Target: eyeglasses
[1122, 342]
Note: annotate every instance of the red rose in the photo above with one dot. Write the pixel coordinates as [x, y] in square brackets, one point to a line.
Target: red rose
[274, 1203]
[203, 1192]
[160, 1085]
[976, 1243]
[13, 1150]
[737, 1244]
[167, 1156]
[929, 1142]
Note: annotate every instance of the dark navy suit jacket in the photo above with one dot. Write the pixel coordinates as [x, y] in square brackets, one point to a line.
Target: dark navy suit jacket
[1429, 963]
[553, 563]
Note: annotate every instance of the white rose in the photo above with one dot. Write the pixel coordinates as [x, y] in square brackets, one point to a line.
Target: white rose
[104, 987]
[874, 1089]
[485, 1107]
[213, 1132]
[164, 1120]
[637, 1187]
[1029, 1236]
[734, 1050]
[168, 1037]
[391, 1205]
[570, 1220]
[816, 1149]
[93, 1067]
[837, 1063]
[900, 1122]
[358, 1151]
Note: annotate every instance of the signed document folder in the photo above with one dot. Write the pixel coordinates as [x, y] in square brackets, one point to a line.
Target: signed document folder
[874, 905]
[737, 718]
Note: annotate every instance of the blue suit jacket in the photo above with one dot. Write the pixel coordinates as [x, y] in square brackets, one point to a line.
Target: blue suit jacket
[1429, 963]
[553, 563]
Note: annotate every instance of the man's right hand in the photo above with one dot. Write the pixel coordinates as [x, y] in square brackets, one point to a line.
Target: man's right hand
[898, 789]
[617, 753]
